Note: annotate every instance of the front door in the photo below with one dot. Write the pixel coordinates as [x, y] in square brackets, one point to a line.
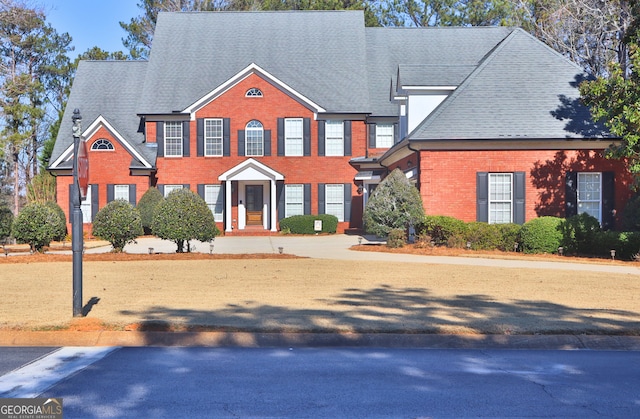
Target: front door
[254, 204]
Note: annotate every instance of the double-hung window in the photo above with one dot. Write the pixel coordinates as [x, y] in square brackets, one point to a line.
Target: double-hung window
[121, 192]
[384, 135]
[173, 139]
[213, 197]
[334, 200]
[213, 132]
[254, 138]
[294, 200]
[500, 198]
[590, 194]
[293, 144]
[334, 138]
[170, 188]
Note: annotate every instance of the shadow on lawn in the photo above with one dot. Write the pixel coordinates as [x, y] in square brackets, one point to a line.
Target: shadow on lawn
[386, 309]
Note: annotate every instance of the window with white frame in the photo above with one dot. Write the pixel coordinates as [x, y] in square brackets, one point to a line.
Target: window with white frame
[500, 198]
[334, 200]
[254, 140]
[254, 92]
[384, 135]
[170, 188]
[590, 194]
[121, 192]
[294, 200]
[213, 137]
[85, 207]
[173, 139]
[293, 145]
[334, 138]
[214, 198]
[102, 144]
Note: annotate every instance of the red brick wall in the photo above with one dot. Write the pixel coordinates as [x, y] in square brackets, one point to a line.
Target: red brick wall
[448, 179]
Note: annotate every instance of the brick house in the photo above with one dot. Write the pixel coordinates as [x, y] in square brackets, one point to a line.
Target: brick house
[272, 114]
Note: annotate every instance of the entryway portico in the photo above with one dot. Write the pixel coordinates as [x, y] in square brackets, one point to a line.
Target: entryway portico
[255, 188]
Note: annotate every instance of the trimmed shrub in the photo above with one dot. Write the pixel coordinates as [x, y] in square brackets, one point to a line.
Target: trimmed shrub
[61, 224]
[118, 223]
[395, 204]
[441, 228]
[6, 219]
[631, 214]
[38, 225]
[396, 238]
[183, 216]
[579, 233]
[304, 224]
[509, 234]
[147, 207]
[483, 236]
[541, 235]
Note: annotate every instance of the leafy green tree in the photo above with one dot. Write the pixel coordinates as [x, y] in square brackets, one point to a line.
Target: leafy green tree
[148, 206]
[118, 223]
[37, 224]
[6, 219]
[183, 216]
[395, 204]
[42, 188]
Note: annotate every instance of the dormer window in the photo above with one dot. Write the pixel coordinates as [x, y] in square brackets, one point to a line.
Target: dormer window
[254, 92]
[102, 145]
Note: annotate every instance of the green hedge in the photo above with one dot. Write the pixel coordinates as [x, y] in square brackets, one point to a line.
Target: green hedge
[304, 224]
[440, 228]
[541, 235]
[396, 238]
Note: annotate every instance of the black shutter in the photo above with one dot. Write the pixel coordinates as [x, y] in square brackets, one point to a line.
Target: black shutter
[347, 201]
[372, 135]
[226, 137]
[94, 201]
[347, 138]
[306, 136]
[482, 197]
[280, 137]
[160, 188]
[200, 137]
[110, 192]
[267, 142]
[132, 194]
[320, 198]
[185, 138]
[608, 202]
[571, 195]
[240, 142]
[200, 188]
[519, 185]
[160, 138]
[307, 198]
[186, 186]
[321, 138]
[280, 199]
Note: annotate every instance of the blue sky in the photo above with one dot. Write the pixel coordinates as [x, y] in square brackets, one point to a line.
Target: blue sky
[90, 22]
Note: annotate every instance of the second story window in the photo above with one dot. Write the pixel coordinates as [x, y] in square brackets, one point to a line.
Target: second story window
[213, 137]
[173, 139]
[334, 138]
[293, 145]
[384, 135]
[255, 138]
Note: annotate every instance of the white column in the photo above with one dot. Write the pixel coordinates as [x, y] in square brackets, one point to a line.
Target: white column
[273, 204]
[227, 205]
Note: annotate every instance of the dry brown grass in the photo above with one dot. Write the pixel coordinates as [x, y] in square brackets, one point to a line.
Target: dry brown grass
[281, 293]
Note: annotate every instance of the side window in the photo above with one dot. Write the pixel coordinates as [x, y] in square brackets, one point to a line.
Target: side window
[500, 198]
[334, 138]
[293, 144]
[173, 139]
[334, 200]
[213, 137]
[384, 135]
[294, 200]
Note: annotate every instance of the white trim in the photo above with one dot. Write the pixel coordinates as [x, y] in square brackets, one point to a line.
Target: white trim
[90, 132]
[429, 88]
[243, 74]
[235, 173]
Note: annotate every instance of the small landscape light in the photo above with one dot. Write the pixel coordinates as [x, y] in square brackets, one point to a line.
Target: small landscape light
[280, 249]
[151, 250]
[6, 251]
[210, 248]
[613, 254]
[359, 240]
[468, 245]
[515, 246]
[561, 250]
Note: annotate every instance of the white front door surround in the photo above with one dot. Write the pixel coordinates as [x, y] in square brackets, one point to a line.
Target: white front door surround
[251, 172]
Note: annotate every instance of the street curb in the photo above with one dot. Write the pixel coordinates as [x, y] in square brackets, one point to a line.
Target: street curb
[266, 340]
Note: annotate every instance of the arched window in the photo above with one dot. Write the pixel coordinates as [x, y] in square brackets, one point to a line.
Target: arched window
[254, 92]
[101, 145]
[254, 138]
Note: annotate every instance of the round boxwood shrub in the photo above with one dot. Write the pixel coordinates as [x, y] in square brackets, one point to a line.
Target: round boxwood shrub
[541, 235]
[147, 207]
[483, 236]
[118, 223]
[38, 225]
[441, 228]
[579, 234]
[396, 238]
[6, 219]
[305, 224]
[61, 231]
[509, 234]
[183, 216]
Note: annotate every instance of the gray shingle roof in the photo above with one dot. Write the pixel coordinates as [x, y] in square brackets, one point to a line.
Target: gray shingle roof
[319, 54]
[522, 89]
[110, 89]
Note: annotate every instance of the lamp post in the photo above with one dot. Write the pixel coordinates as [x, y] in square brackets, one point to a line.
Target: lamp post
[77, 244]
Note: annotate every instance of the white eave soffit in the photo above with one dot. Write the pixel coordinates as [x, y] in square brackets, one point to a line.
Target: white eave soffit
[243, 74]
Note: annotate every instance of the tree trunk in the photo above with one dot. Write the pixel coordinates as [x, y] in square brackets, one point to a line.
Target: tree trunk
[16, 184]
